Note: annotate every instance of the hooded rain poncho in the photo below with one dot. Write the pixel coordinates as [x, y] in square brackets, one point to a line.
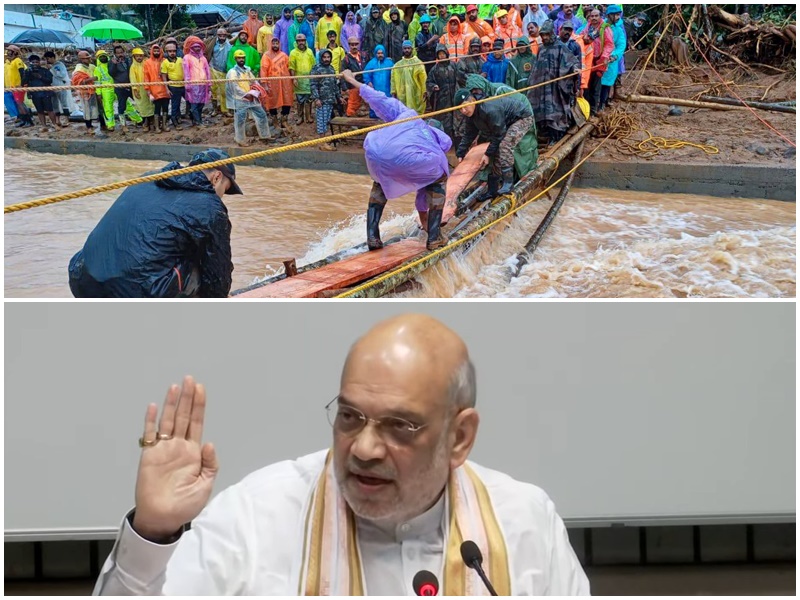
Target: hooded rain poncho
[552, 103]
[396, 32]
[408, 83]
[300, 27]
[350, 29]
[379, 80]
[281, 30]
[620, 44]
[444, 75]
[406, 157]
[141, 99]
[521, 66]
[374, 35]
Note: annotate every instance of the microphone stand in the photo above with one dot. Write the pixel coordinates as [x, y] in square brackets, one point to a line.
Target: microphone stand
[477, 566]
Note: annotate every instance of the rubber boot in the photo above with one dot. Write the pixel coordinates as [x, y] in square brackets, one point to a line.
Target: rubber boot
[423, 219]
[493, 184]
[309, 113]
[176, 123]
[159, 124]
[301, 113]
[508, 182]
[435, 238]
[285, 124]
[374, 214]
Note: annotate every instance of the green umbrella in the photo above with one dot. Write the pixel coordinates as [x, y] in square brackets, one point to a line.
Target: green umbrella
[109, 29]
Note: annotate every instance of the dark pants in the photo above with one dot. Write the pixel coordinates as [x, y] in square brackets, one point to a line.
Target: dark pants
[122, 99]
[175, 102]
[593, 93]
[196, 111]
[43, 101]
[284, 111]
[605, 91]
[161, 107]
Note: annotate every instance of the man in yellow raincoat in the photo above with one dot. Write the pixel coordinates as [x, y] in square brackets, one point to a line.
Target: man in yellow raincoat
[409, 80]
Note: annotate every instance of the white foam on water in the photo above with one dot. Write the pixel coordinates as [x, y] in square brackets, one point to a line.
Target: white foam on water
[645, 246]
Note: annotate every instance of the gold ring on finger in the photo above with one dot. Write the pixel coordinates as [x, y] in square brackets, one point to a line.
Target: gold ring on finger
[143, 443]
[163, 436]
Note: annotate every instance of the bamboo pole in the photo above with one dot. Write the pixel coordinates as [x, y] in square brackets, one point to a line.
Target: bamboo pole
[524, 256]
[524, 190]
[758, 105]
[677, 102]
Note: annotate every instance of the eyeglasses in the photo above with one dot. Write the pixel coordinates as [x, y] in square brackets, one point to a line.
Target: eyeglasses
[349, 421]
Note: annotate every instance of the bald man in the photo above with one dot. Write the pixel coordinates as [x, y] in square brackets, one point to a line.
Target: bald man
[394, 495]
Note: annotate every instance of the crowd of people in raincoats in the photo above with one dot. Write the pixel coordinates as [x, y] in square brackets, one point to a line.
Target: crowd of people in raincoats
[289, 63]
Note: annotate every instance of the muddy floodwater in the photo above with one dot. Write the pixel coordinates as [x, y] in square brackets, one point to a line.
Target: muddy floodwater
[604, 243]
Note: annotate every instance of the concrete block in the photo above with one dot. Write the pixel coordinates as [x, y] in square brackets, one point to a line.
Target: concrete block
[615, 546]
[670, 545]
[65, 559]
[723, 543]
[19, 560]
[774, 541]
[576, 540]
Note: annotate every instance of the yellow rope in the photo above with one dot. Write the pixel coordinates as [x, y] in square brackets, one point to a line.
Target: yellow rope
[255, 155]
[56, 88]
[452, 246]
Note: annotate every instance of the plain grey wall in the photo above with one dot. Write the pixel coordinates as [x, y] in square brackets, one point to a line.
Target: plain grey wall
[620, 411]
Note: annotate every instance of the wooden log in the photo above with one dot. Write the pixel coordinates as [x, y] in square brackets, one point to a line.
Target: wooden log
[758, 105]
[729, 19]
[677, 102]
[533, 243]
[523, 191]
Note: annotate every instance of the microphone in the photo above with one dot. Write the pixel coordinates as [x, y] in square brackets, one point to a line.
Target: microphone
[472, 557]
[426, 584]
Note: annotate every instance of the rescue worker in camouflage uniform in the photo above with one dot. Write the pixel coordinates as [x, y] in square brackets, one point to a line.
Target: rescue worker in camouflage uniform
[509, 126]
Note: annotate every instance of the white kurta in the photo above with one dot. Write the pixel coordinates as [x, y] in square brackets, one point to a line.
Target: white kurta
[248, 541]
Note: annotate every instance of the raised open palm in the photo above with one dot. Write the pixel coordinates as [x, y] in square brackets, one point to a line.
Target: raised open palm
[176, 472]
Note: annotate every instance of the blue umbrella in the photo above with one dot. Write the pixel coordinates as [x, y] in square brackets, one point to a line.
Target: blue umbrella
[42, 36]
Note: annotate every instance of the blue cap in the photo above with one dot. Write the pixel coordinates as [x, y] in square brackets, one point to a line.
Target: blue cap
[213, 155]
[613, 9]
[424, 19]
[407, 44]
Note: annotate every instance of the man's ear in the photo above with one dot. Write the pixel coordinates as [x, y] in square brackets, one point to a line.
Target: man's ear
[464, 432]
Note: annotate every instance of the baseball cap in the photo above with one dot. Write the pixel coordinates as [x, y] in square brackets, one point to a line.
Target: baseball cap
[461, 96]
[213, 155]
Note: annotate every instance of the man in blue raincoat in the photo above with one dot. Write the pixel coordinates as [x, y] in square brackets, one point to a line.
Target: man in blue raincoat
[378, 73]
[404, 158]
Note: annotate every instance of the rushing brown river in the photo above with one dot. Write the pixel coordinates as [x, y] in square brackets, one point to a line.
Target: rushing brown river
[602, 244]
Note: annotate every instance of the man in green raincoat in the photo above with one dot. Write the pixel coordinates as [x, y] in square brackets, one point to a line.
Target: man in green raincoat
[523, 61]
[251, 57]
[509, 126]
[107, 96]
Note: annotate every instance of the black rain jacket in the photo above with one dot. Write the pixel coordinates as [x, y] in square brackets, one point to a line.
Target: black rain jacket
[165, 239]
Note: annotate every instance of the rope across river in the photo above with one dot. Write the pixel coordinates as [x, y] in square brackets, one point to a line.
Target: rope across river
[92, 86]
[260, 153]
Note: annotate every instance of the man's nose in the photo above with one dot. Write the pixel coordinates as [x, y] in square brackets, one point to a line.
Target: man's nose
[368, 444]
